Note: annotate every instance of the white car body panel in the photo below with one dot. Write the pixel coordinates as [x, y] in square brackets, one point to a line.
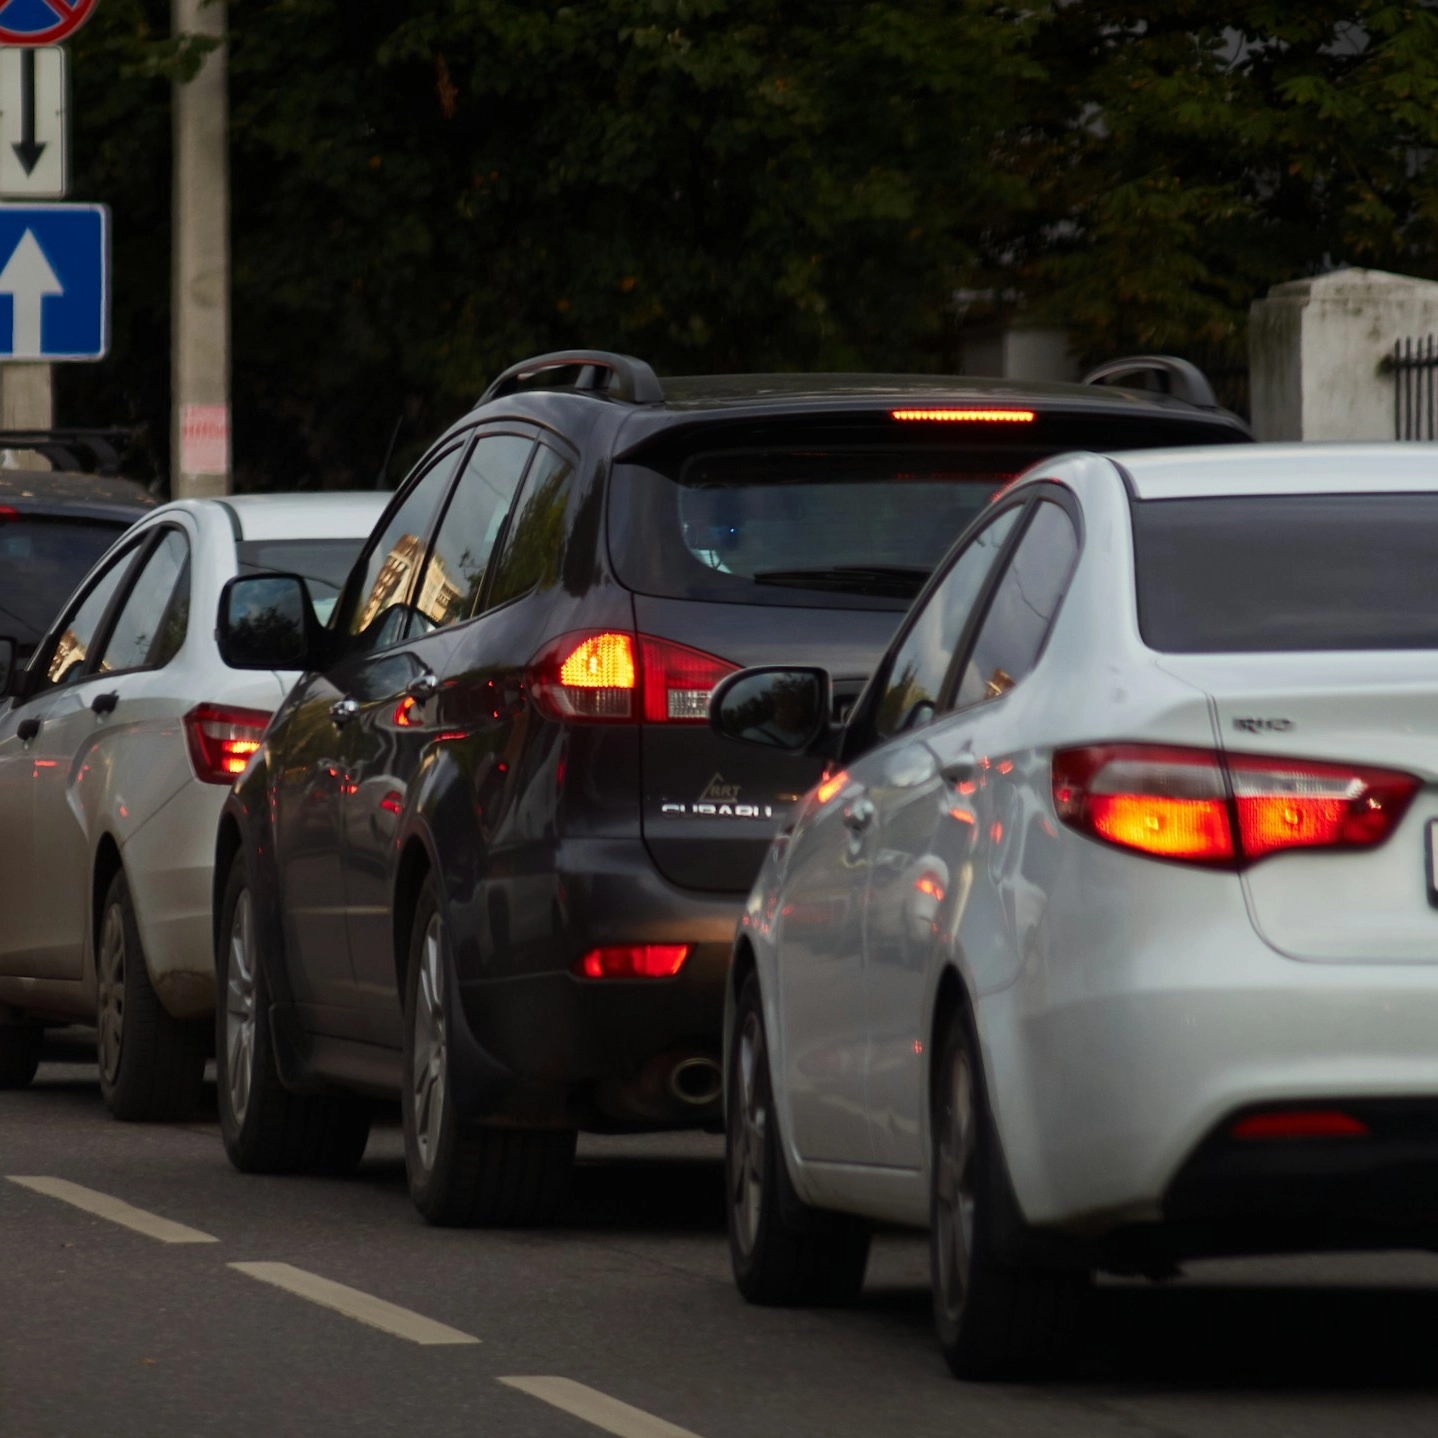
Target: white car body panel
[126, 776]
[1124, 1004]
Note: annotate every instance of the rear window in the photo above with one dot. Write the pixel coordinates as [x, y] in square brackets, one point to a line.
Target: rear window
[323, 563]
[1273, 573]
[41, 562]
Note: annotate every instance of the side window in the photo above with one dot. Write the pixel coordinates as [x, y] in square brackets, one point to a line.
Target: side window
[66, 661]
[533, 549]
[916, 676]
[1023, 607]
[459, 560]
[151, 624]
[378, 615]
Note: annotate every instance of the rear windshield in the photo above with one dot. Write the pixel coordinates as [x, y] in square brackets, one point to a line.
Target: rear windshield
[856, 521]
[1274, 573]
[41, 562]
[323, 563]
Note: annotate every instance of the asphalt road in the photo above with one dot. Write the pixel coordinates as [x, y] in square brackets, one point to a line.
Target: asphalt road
[622, 1320]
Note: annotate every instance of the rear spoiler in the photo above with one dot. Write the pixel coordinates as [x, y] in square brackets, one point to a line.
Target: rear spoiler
[1167, 374]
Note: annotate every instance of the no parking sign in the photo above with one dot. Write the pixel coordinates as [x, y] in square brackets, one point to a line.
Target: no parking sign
[41, 22]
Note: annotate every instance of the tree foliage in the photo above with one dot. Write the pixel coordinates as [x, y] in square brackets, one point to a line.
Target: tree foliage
[424, 193]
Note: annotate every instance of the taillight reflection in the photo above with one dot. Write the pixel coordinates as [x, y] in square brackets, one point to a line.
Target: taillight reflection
[633, 961]
[222, 739]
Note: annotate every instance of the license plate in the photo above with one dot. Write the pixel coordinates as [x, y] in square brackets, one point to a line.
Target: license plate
[1431, 858]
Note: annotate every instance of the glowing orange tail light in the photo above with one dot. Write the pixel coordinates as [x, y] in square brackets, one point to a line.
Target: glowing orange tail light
[603, 661]
[222, 739]
[1180, 803]
[965, 416]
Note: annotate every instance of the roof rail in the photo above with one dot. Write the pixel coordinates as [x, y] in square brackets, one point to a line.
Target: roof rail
[66, 449]
[587, 371]
[1176, 377]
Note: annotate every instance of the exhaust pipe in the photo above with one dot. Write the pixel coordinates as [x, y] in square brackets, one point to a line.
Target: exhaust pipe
[697, 1081]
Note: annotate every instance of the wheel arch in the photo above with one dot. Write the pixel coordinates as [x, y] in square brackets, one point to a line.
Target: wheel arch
[415, 865]
[227, 844]
[108, 863]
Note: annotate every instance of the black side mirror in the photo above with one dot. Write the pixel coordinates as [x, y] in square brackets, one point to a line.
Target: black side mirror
[267, 621]
[786, 709]
[9, 667]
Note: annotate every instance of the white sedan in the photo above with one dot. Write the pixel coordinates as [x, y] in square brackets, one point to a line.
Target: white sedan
[1112, 938]
[117, 746]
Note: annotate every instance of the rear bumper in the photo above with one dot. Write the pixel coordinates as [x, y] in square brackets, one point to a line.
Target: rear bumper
[546, 1046]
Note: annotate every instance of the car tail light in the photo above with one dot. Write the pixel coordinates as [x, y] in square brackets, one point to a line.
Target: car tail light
[1203, 807]
[8, 512]
[633, 961]
[1300, 1123]
[221, 740]
[608, 676]
[966, 416]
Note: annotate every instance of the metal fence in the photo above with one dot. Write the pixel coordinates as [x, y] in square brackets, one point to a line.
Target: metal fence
[1413, 365]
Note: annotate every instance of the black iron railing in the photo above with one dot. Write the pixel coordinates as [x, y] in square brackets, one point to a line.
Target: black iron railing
[1413, 365]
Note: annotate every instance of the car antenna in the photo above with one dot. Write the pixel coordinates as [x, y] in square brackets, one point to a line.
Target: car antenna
[382, 478]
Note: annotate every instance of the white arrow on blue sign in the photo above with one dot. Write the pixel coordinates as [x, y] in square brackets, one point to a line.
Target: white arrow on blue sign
[54, 282]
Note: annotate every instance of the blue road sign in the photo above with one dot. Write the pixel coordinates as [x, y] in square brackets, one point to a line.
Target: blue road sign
[54, 282]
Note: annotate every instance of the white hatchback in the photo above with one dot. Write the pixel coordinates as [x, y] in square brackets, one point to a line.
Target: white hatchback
[117, 746]
[1112, 937]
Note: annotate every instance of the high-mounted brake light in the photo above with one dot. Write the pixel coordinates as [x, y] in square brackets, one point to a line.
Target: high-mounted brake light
[221, 739]
[608, 676]
[1181, 803]
[633, 961]
[966, 416]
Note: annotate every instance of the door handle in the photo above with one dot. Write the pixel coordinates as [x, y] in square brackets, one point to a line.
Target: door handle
[104, 704]
[423, 686]
[27, 729]
[342, 711]
[960, 771]
[859, 815]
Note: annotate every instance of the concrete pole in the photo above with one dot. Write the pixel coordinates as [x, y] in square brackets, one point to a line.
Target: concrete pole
[27, 401]
[200, 350]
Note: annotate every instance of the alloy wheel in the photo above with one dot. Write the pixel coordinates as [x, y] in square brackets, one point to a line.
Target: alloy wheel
[111, 1007]
[240, 1008]
[748, 1126]
[954, 1184]
[430, 1035]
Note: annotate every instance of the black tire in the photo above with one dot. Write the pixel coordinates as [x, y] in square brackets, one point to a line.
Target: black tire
[993, 1319]
[152, 1066]
[265, 1127]
[783, 1252]
[19, 1054]
[461, 1175]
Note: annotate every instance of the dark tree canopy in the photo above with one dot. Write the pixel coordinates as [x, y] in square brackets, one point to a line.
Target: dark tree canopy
[733, 184]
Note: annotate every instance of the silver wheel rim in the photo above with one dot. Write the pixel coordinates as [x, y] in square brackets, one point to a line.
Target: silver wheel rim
[240, 1008]
[111, 1008]
[427, 1076]
[748, 1127]
[954, 1185]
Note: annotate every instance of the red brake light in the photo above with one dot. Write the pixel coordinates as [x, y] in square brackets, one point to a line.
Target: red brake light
[633, 961]
[7, 512]
[1175, 802]
[222, 739]
[1300, 1123]
[597, 676]
[966, 416]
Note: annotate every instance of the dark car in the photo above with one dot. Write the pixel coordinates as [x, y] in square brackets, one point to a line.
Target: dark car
[490, 856]
[55, 524]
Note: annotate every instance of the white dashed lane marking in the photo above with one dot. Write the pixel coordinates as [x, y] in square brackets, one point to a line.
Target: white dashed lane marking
[116, 1210]
[363, 1307]
[597, 1408]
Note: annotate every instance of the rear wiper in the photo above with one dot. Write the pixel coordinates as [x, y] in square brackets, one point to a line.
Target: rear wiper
[893, 581]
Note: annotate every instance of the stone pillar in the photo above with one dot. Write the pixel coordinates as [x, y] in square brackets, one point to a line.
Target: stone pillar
[27, 401]
[1316, 347]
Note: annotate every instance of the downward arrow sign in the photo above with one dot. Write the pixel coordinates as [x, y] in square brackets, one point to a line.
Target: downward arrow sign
[28, 278]
[27, 151]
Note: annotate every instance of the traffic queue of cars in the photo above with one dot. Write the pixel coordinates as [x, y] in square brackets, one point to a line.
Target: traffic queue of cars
[1082, 771]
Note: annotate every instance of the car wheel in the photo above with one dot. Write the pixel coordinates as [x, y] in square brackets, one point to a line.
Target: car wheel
[152, 1066]
[992, 1318]
[265, 1127]
[782, 1251]
[19, 1054]
[460, 1174]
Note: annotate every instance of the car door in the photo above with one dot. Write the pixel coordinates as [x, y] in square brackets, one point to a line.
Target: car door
[42, 928]
[947, 808]
[397, 697]
[312, 773]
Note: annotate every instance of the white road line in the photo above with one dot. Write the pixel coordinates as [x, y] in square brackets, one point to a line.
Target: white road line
[597, 1408]
[116, 1210]
[364, 1307]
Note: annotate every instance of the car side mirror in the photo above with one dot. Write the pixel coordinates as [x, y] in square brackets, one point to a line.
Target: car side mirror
[9, 670]
[267, 621]
[787, 709]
